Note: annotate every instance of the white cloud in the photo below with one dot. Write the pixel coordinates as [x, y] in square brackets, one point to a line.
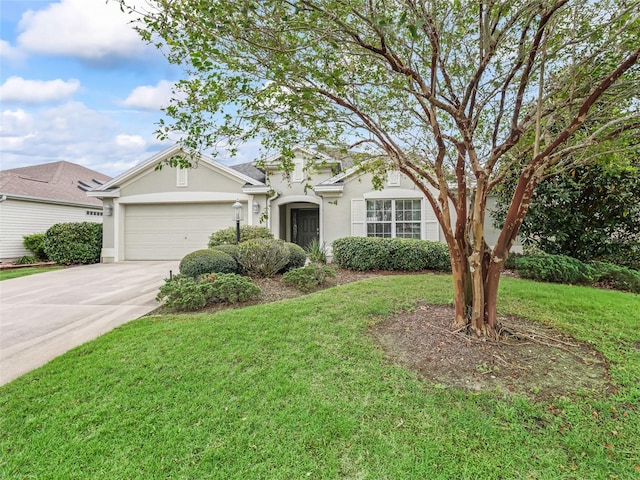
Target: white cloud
[88, 29]
[17, 89]
[9, 52]
[148, 97]
[124, 140]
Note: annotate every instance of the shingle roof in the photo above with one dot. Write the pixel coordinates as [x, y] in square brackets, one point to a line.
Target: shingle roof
[58, 181]
[250, 170]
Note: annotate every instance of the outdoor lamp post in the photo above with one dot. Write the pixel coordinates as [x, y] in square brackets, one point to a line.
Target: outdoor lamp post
[237, 216]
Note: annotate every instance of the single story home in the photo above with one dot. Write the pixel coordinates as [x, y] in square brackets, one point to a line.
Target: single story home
[34, 198]
[163, 214]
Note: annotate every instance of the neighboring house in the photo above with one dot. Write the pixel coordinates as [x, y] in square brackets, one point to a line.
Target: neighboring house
[34, 198]
[163, 214]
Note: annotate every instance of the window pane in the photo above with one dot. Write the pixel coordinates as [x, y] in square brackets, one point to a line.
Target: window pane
[379, 230]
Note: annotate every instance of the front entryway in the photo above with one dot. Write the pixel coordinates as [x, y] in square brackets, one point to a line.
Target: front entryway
[305, 226]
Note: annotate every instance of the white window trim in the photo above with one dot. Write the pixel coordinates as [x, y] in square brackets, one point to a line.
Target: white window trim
[393, 221]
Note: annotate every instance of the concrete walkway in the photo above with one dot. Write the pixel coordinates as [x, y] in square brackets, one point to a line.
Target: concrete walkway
[44, 315]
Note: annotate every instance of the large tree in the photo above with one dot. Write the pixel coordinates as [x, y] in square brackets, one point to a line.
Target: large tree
[450, 92]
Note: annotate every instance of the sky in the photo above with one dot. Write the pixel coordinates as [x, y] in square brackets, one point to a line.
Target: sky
[77, 83]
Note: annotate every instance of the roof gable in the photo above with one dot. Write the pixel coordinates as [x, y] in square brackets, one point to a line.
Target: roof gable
[148, 165]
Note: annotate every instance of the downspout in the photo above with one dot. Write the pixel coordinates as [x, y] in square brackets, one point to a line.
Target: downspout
[269, 200]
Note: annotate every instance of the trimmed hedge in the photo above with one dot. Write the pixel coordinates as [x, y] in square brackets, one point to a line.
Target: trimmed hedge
[74, 243]
[404, 254]
[227, 236]
[555, 268]
[207, 260]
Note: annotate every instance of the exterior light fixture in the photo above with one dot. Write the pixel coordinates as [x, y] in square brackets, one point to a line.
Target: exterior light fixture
[256, 207]
[107, 210]
[237, 217]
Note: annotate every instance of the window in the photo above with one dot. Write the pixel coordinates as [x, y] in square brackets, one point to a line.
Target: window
[394, 218]
[94, 213]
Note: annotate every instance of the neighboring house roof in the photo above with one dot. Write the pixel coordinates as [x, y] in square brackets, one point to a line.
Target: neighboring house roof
[62, 181]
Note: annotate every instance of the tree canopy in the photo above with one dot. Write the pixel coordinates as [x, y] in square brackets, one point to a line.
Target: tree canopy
[453, 93]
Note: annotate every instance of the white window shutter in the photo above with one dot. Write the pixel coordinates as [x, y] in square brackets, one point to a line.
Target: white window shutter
[358, 217]
[182, 179]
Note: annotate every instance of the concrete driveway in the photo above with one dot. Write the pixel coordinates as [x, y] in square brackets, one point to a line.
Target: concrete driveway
[44, 315]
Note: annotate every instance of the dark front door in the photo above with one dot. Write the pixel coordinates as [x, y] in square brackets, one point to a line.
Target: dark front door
[305, 226]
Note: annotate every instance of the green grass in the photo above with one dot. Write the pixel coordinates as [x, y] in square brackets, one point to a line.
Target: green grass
[296, 389]
[9, 273]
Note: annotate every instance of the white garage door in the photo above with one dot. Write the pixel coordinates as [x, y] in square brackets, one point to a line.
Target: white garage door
[170, 231]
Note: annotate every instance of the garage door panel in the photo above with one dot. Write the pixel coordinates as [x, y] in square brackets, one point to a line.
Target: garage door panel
[169, 232]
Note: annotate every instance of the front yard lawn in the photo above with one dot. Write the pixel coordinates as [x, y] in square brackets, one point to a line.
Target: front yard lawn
[7, 273]
[299, 389]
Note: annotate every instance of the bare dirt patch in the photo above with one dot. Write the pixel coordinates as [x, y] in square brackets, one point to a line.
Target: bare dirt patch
[531, 359]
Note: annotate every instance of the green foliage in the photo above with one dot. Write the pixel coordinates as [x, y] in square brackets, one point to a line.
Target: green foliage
[555, 268]
[309, 277]
[617, 277]
[184, 293]
[232, 251]
[207, 261]
[74, 243]
[404, 254]
[317, 253]
[35, 243]
[588, 212]
[297, 256]
[227, 236]
[263, 257]
[512, 260]
[26, 260]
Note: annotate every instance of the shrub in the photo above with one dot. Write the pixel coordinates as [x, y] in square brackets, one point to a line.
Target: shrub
[297, 256]
[309, 277]
[629, 257]
[617, 277]
[26, 260]
[229, 288]
[438, 257]
[35, 243]
[74, 243]
[405, 254]
[227, 236]
[317, 253]
[512, 260]
[207, 261]
[555, 268]
[263, 257]
[184, 293]
[232, 251]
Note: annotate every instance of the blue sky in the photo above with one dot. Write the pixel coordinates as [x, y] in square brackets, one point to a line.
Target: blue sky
[78, 84]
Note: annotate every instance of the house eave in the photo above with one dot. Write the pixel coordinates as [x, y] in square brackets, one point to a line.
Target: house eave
[52, 201]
